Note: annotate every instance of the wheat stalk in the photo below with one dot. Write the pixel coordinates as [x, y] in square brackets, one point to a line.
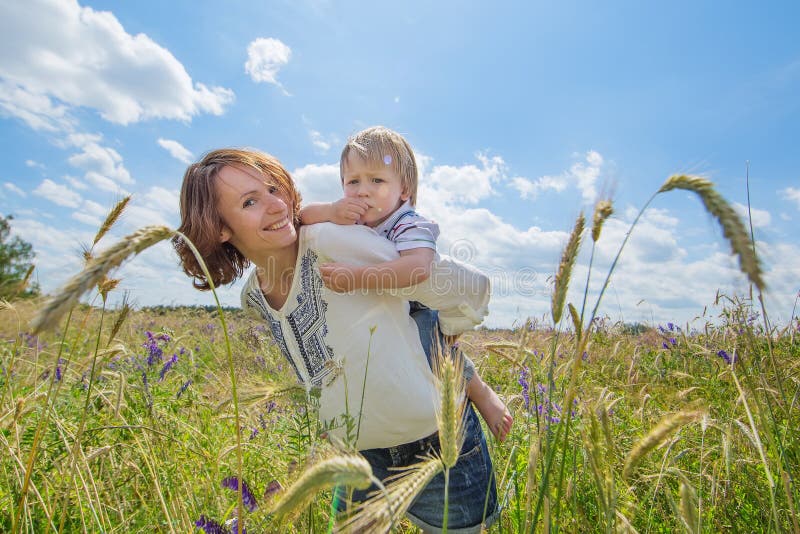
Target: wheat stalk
[94, 272]
[732, 226]
[383, 510]
[565, 269]
[349, 470]
[658, 434]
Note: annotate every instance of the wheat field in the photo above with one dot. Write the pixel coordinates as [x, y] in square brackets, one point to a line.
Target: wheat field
[189, 420]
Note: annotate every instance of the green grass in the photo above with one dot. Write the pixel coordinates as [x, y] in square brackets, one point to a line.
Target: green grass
[640, 428]
[148, 460]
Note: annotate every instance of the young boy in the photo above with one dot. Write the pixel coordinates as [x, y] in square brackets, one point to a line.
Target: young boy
[379, 177]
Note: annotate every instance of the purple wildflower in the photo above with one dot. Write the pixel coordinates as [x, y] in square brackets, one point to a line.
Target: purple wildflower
[167, 366]
[58, 370]
[154, 351]
[523, 381]
[664, 344]
[673, 341]
[671, 327]
[234, 523]
[210, 526]
[725, 356]
[248, 499]
[183, 388]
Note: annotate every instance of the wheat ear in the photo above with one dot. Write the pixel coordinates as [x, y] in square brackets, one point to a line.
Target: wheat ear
[94, 271]
[383, 510]
[565, 269]
[111, 219]
[349, 470]
[449, 372]
[660, 432]
[732, 226]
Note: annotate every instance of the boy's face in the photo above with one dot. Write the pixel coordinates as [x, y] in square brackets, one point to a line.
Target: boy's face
[379, 186]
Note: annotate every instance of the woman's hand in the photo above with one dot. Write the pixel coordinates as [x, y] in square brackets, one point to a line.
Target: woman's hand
[339, 277]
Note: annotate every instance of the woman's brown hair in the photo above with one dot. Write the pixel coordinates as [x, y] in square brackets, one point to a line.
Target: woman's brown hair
[202, 224]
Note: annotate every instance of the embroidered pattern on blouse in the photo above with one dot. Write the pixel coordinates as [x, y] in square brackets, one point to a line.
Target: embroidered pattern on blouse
[308, 324]
[274, 326]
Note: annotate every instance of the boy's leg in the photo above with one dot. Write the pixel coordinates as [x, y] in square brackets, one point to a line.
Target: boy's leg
[492, 409]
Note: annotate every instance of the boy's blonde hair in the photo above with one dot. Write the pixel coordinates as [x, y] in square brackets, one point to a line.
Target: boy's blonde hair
[380, 146]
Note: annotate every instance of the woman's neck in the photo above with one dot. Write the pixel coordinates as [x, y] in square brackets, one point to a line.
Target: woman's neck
[276, 272]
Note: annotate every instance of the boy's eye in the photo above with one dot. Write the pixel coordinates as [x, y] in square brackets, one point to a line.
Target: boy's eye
[377, 180]
[352, 182]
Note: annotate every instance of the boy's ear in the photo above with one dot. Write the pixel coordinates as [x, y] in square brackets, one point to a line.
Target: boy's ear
[405, 195]
[225, 234]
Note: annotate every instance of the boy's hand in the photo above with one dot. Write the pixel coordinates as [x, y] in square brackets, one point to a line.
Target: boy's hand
[338, 277]
[347, 210]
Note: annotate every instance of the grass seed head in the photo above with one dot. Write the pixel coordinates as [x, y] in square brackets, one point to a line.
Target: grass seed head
[732, 226]
[659, 433]
[346, 469]
[111, 219]
[602, 211]
[94, 272]
[565, 269]
[384, 510]
[450, 382]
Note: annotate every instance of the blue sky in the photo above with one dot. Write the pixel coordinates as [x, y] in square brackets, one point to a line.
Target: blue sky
[521, 113]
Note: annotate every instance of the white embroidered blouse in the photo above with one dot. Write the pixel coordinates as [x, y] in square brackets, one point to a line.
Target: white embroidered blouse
[334, 340]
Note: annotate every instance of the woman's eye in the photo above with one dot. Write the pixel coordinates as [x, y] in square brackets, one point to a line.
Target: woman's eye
[249, 202]
[272, 189]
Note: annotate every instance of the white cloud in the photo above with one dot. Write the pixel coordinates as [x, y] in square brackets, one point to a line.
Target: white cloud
[93, 208]
[583, 174]
[15, 189]
[265, 57]
[65, 55]
[35, 109]
[58, 194]
[467, 184]
[531, 188]
[761, 218]
[85, 218]
[319, 142]
[74, 182]
[586, 175]
[103, 165]
[176, 150]
[34, 164]
[318, 183]
[793, 194]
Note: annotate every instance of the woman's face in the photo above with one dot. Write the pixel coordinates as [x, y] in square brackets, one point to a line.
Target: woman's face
[257, 218]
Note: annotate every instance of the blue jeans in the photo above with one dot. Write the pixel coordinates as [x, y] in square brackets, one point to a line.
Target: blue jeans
[472, 492]
[429, 335]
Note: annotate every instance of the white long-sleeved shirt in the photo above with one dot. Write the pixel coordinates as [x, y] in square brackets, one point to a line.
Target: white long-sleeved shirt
[332, 339]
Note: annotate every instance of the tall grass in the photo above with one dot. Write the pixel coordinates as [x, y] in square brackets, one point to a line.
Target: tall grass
[182, 420]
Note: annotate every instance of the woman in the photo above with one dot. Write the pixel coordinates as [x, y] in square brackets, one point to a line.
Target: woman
[362, 350]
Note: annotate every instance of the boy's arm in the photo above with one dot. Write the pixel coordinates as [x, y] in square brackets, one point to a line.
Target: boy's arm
[411, 268]
[343, 211]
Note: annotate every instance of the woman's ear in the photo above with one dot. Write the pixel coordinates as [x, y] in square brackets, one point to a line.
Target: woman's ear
[225, 234]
